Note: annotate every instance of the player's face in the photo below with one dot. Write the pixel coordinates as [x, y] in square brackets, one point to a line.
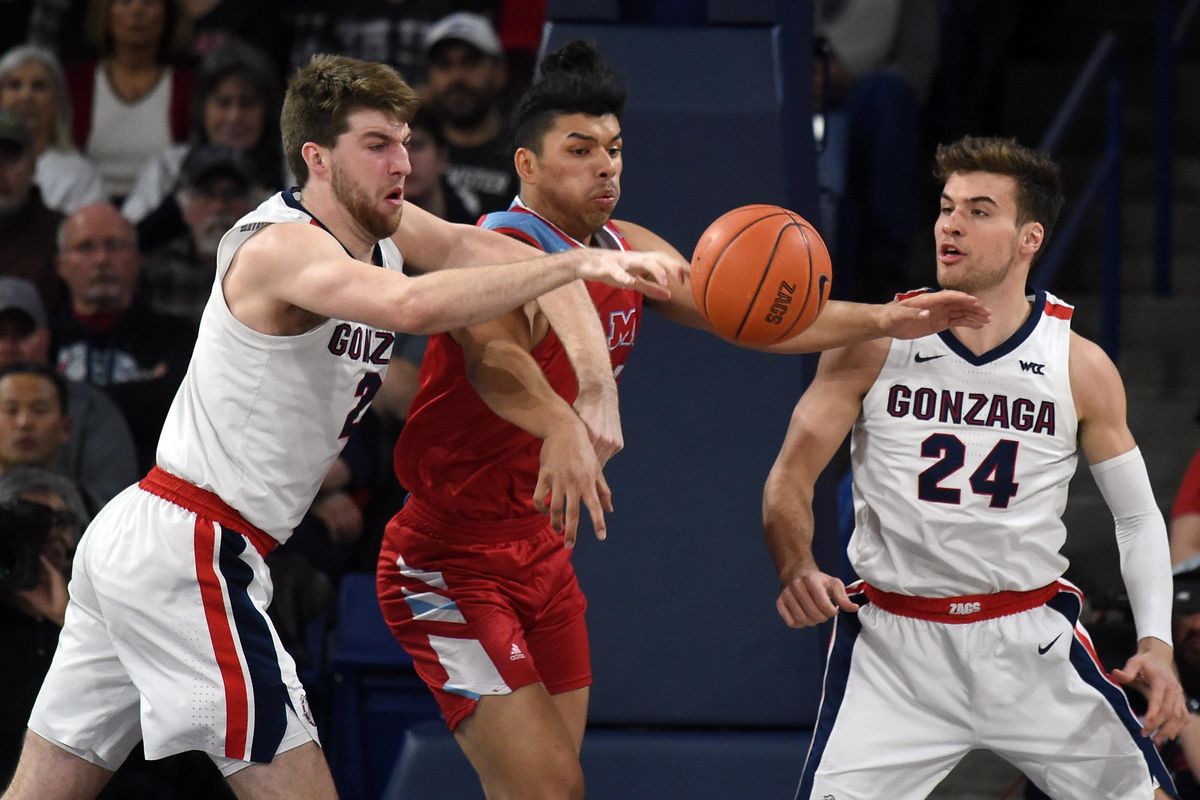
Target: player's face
[369, 165]
[99, 260]
[976, 233]
[28, 91]
[578, 173]
[32, 425]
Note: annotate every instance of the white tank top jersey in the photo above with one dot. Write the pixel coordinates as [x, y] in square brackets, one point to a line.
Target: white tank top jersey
[259, 419]
[961, 462]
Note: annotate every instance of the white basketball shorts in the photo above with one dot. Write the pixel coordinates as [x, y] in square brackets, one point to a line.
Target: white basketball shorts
[908, 692]
[167, 639]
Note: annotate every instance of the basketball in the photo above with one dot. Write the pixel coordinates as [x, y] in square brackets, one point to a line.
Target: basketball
[760, 274]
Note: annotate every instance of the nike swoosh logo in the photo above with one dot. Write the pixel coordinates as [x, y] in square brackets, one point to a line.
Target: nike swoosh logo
[822, 285]
[1042, 650]
[920, 359]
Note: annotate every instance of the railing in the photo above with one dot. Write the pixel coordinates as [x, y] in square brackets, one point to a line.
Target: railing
[1170, 31]
[1103, 64]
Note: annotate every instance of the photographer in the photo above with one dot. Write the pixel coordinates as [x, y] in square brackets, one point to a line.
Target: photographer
[41, 517]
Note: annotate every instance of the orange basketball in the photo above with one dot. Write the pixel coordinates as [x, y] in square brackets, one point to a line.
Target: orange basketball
[760, 274]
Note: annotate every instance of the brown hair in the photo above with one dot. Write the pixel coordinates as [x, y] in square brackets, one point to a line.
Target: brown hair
[1039, 187]
[323, 94]
[176, 37]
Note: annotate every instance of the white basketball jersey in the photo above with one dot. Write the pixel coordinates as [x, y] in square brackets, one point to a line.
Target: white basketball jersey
[259, 419]
[961, 462]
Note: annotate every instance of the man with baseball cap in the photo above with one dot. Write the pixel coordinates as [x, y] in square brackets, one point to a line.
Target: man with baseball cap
[467, 76]
[27, 227]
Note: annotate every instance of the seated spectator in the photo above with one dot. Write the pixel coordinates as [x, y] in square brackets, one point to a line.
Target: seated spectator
[34, 424]
[99, 455]
[28, 229]
[426, 186]
[214, 193]
[103, 337]
[1185, 515]
[879, 61]
[467, 76]
[236, 104]
[32, 85]
[45, 513]
[133, 102]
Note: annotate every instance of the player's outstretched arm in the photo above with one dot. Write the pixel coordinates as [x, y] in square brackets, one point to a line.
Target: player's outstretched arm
[509, 380]
[1120, 473]
[822, 418]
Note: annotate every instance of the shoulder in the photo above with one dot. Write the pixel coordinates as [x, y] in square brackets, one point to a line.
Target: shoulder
[1095, 382]
[856, 366]
[642, 238]
[518, 225]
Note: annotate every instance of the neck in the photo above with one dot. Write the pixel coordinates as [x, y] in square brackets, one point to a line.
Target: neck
[573, 228]
[1010, 308]
[135, 58]
[482, 133]
[320, 201]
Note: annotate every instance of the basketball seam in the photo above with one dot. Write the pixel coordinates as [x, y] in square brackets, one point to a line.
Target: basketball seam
[729, 242]
[808, 290]
[763, 279]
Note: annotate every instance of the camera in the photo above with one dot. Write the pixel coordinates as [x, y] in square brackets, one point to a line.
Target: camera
[24, 526]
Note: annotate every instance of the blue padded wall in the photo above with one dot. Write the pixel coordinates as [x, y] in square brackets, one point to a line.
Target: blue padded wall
[684, 629]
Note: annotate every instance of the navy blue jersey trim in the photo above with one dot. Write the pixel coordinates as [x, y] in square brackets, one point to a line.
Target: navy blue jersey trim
[291, 201]
[1006, 347]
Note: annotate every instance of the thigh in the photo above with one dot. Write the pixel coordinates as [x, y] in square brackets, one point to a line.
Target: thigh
[894, 711]
[297, 774]
[542, 761]
[47, 771]
[1070, 728]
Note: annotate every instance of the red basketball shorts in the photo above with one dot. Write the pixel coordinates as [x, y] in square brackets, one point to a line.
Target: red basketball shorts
[483, 609]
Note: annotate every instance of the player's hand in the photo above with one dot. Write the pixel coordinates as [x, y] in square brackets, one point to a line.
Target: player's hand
[810, 597]
[648, 272]
[1152, 672]
[570, 474]
[597, 407]
[931, 312]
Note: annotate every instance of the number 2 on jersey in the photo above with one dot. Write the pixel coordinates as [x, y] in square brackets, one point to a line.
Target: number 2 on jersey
[367, 388]
[994, 477]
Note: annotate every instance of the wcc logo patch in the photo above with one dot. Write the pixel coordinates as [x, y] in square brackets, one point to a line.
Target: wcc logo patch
[622, 328]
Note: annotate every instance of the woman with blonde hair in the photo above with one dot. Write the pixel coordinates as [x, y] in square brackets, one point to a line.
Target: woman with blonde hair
[32, 85]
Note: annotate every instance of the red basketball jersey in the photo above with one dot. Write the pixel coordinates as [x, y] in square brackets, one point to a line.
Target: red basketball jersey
[453, 452]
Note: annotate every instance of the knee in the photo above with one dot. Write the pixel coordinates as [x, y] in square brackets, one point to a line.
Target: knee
[558, 778]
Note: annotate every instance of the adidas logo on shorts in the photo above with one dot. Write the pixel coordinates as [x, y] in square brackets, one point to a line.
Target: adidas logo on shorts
[515, 654]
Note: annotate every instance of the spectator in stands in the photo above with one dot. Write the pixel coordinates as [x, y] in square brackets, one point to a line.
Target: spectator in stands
[1185, 515]
[99, 455]
[236, 104]
[426, 186]
[34, 424]
[215, 191]
[27, 228]
[133, 102]
[106, 339]
[34, 504]
[372, 31]
[32, 85]
[466, 82]
[878, 63]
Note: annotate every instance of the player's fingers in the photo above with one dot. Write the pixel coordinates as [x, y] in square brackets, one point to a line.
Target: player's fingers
[655, 291]
[815, 605]
[541, 491]
[571, 519]
[842, 599]
[604, 493]
[596, 511]
[791, 611]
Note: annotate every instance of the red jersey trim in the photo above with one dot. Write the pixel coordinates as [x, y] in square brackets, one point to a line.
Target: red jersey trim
[1058, 311]
[958, 610]
[911, 293]
[206, 505]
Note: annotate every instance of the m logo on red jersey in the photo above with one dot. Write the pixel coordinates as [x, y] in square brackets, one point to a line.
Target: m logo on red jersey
[622, 328]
